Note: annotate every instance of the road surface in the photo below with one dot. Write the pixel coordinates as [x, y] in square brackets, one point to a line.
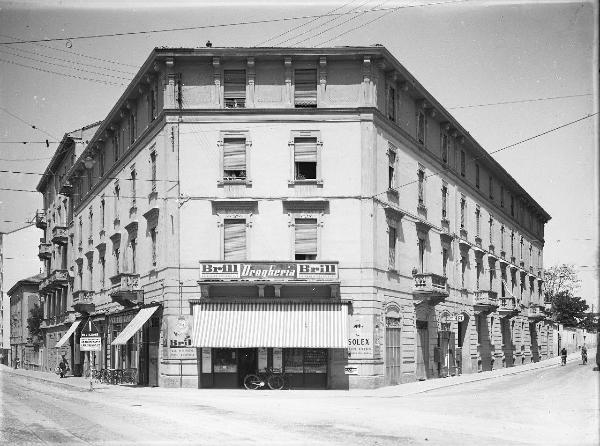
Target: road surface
[552, 406]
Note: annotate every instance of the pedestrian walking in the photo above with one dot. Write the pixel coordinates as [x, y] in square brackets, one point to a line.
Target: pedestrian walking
[63, 367]
[584, 354]
[563, 356]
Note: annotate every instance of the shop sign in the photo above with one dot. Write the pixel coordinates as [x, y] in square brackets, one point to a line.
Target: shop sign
[179, 338]
[360, 337]
[206, 360]
[90, 342]
[267, 271]
[351, 370]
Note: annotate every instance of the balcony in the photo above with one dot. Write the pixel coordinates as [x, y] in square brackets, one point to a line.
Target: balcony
[59, 235]
[128, 291]
[508, 307]
[57, 279]
[485, 300]
[430, 287]
[45, 251]
[83, 301]
[40, 220]
[535, 313]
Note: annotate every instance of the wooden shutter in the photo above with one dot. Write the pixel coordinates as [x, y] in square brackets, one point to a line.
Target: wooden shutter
[305, 88]
[235, 85]
[305, 150]
[234, 154]
[235, 239]
[306, 236]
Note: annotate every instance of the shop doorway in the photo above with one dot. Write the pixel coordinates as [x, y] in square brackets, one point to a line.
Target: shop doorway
[535, 348]
[446, 345]
[247, 363]
[393, 357]
[462, 351]
[422, 371]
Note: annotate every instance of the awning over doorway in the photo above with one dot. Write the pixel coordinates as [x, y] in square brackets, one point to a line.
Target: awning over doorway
[136, 323]
[271, 324]
[68, 334]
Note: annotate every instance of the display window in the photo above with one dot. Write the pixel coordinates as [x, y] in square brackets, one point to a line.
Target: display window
[224, 360]
[305, 360]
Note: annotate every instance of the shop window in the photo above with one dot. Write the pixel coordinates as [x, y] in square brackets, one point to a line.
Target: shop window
[234, 88]
[224, 360]
[305, 158]
[305, 88]
[234, 159]
[234, 239]
[308, 360]
[305, 239]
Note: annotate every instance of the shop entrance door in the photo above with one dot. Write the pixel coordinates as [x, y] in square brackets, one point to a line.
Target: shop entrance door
[392, 351]
[422, 350]
[247, 363]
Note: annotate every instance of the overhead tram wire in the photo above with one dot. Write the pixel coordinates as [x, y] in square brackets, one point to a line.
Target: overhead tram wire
[22, 172]
[35, 127]
[64, 74]
[75, 53]
[65, 66]
[520, 101]
[219, 25]
[301, 25]
[389, 11]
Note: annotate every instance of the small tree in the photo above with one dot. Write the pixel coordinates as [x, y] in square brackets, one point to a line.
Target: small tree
[558, 279]
[568, 310]
[590, 322]
[34, 322]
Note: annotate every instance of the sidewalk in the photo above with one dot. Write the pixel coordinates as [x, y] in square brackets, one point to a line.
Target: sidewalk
[83, 384]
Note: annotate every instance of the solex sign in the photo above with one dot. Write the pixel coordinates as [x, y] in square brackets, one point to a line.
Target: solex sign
[267, 271]
[360, 337]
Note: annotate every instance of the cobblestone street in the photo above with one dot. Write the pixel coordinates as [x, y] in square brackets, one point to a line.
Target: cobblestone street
[560, 407]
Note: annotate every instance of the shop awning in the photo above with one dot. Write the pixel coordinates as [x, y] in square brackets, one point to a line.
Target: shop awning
[271, 324]
[68, 334]
[135, 324]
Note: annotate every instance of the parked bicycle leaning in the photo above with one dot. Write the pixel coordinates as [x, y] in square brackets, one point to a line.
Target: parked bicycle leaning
[272, 378]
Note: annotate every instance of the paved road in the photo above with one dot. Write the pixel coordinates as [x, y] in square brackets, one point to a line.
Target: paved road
[551, 406]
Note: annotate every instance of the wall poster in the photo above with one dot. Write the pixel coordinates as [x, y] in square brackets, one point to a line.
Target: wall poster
[360, 337]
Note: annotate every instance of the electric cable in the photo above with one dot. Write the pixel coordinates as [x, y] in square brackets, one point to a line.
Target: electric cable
[518, 101]
[35, 127]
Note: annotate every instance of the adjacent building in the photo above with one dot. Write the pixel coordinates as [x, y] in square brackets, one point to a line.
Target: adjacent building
[314, 210]
[24, 297]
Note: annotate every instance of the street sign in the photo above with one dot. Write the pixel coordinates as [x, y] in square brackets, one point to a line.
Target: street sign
[89, 342]
[460, 317]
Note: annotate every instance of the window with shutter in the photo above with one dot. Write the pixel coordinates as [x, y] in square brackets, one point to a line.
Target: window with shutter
[234, 158]
[235, 88]
[305, 245]
[305, 158]
[234, 239]
[305, 88]
[392, 247]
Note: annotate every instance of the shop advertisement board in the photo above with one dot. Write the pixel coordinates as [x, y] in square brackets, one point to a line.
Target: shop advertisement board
[360, 337]
[269, 271]
[90, 342]
[178, 338]
[206, 360]
[278, 358]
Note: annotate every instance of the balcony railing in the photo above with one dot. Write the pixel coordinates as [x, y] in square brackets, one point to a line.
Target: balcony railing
[40, 220]
[58, 278]
[45, 250]
[128, 291]
[83, 301]
[486, 300]
[59, 235]
[430, 286]
[508, 307]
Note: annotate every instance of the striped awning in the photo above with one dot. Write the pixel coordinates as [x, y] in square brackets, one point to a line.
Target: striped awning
[135, 324]
[68, 334]
[271, 324]
[508, 289]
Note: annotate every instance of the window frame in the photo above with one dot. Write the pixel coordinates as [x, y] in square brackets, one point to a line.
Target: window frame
[234, 134]
[243, 102]
[297, 103]
[317, 244]
[392, 155]
[294, 134]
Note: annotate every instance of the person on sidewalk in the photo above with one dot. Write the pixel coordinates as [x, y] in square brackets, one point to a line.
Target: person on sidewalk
[563, 355]
[584, 354]
[63, 366]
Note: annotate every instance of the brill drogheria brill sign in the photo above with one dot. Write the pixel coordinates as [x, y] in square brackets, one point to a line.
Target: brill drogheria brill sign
[269, 271]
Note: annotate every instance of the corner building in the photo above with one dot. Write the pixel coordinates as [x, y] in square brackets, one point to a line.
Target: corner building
[315, 210]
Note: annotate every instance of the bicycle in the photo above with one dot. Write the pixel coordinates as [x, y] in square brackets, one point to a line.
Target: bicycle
[272, 378]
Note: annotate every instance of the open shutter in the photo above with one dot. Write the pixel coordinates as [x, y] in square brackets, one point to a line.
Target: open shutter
[305, 88]
[235, 88]
[306, 236]
[234, 154]
[235, 239]
[305, 150]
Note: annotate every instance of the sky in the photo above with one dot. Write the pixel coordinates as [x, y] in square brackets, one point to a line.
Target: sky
[506, 70]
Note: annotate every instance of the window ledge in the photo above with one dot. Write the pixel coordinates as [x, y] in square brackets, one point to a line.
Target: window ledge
[240, 181]
[318, 182]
